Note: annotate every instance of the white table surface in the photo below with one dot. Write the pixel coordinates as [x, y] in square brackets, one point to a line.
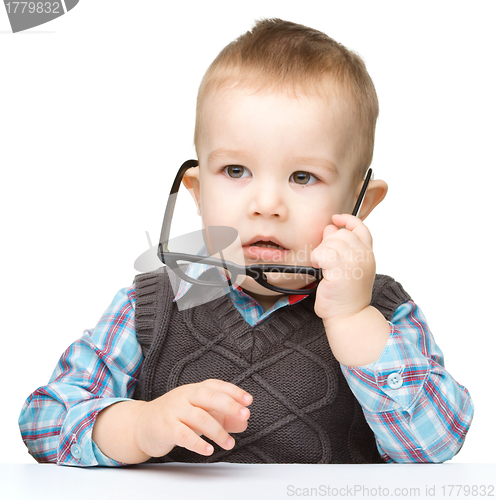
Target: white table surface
[237, 481]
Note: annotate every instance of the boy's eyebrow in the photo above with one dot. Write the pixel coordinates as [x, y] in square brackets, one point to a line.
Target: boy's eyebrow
[313, 160]
[219, 153]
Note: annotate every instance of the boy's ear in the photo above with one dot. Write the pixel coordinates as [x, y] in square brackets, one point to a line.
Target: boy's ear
[376, 192]
[191, 181]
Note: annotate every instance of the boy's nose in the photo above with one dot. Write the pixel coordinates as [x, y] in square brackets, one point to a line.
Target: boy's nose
[268, 201]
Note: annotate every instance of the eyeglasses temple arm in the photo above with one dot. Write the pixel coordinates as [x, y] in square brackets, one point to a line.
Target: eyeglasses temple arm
[361, 196]
[171, 203]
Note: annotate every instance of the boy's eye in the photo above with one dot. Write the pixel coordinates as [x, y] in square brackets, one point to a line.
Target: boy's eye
[303, 178]
[236, 171]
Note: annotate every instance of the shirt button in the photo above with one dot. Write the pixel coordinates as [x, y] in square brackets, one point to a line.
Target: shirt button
[395, 380]
[77, 451]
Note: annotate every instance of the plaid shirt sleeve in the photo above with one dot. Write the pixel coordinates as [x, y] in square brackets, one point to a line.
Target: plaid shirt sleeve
[99, 369]
[417, 411]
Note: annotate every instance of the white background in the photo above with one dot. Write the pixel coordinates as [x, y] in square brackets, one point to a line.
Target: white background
[97, 113]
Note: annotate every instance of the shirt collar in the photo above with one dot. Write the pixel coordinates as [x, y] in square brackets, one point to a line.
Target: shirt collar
[247, 306]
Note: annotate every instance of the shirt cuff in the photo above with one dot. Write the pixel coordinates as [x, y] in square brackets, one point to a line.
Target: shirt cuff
[76, 446]
[394, 381]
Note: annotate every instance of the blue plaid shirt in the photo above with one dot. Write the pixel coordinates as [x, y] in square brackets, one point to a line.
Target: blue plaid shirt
[416, 410]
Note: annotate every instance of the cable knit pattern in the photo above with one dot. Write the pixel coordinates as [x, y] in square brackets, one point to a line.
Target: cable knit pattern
[303, 410]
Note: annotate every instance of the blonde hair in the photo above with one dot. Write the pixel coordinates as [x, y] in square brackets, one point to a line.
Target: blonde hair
[280, 55]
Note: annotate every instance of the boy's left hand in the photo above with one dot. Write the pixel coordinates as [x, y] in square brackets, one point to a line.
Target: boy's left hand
[347, 261]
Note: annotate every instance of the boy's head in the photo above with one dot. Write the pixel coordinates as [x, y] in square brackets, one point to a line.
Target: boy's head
[280, 56]
[284, 135]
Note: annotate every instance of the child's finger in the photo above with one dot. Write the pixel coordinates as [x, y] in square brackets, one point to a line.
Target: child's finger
[355, 225]
[231, 425]
[187, 438]
[211, 399]
[201, 421]
[328, 253]
[240, 395]
[330, 229]
[346, 236]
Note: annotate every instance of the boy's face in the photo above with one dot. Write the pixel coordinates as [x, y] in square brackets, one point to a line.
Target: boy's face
[275, 167]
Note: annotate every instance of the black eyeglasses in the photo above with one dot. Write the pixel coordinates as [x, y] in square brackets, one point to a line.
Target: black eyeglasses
[218, 239]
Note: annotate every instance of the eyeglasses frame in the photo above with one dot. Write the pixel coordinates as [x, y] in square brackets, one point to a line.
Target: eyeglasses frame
[254, 271]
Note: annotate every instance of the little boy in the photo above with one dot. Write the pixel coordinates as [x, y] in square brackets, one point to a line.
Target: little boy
[349, 374]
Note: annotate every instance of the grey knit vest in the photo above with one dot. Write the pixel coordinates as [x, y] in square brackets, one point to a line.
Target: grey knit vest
[303, 410]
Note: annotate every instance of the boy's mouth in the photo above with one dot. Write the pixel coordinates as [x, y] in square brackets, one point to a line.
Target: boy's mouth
[267, 250]
[266, 244]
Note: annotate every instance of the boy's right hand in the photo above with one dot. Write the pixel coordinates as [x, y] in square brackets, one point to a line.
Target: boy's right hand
[212, 408]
